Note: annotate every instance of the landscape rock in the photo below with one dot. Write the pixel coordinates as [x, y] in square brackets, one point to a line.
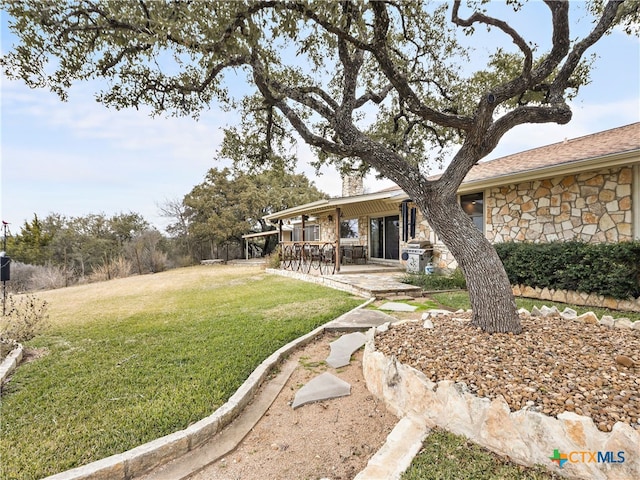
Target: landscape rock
[549, 311]
[588, 317]
[569, 314]
[624, 360]
[397, 307]
[572, 371]
[622, 323]
[607, 321]
[383, 328]
[434, 313]
[509, 402]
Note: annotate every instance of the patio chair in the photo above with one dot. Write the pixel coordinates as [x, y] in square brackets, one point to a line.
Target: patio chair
[359, 254]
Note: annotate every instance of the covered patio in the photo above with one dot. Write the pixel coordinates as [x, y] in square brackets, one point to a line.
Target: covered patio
[340, 235]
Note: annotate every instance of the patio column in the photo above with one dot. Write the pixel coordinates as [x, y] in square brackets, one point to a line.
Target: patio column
[304, 217]
[337, 233]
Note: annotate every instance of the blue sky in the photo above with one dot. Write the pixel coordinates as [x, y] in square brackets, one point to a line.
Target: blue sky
[78, 157]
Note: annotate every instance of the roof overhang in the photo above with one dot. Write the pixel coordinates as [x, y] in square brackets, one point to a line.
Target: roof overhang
[350, 207]
[387, 201]
[260, 234]
[567, 168]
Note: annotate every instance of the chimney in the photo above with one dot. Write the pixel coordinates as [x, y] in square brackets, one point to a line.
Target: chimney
[352, 184]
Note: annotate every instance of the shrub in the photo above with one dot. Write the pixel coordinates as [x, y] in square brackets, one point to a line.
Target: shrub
[48, 277]
[116, 268]
[24, 317]
[273, 259]
[437, 281]
[21, 274]
[612, 270]
[27, 278]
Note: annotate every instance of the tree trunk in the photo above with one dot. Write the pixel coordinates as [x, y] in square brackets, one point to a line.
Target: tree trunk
[492, 302]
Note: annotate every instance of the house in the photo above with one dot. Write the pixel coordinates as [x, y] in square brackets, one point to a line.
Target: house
[586, 189]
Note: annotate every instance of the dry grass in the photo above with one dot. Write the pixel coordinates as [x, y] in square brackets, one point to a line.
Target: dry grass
[133, 295]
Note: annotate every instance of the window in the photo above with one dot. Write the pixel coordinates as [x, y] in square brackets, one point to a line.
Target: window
[349, 228]
[311, 233]
[473, 205]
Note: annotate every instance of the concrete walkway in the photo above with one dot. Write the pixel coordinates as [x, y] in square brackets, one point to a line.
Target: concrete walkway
[378, 285]
[228, 439]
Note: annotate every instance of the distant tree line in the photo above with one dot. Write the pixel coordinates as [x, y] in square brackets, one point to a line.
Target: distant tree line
[58, 251]
[211, 219]
[209, 222]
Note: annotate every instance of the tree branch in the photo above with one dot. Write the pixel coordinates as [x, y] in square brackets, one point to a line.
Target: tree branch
[399, 80]
[606, 20]
[373, 96]
[478, 17]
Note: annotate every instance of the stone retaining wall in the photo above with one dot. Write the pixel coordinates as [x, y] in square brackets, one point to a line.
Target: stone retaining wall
[319, 280]
[577, 298]
[526, 436]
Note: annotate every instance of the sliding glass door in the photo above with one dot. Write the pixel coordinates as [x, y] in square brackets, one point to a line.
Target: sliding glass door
[384, 234]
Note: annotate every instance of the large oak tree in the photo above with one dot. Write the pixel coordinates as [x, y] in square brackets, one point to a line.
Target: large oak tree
[229, 204]
[375, 84]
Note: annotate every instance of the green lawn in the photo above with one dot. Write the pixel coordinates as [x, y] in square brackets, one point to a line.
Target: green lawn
[445, 456]
[131, 360]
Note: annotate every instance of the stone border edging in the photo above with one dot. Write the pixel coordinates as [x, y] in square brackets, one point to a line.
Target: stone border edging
[142, 459]
[320, 280]
[10, 362]
[526, 436]
[396, 455]
[576, 298]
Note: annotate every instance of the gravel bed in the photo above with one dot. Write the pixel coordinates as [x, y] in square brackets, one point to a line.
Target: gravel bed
[555, 365]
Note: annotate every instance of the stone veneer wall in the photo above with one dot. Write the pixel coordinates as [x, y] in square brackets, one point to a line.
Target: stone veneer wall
[593, 207]
[442, 258]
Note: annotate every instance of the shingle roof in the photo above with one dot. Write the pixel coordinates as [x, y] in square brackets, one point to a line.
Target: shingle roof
[590, 147]
[597, 145]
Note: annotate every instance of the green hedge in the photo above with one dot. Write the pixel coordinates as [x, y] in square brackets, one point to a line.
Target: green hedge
[612, 270]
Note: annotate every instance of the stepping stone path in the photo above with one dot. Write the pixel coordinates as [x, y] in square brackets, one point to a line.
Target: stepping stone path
[323, 387]
[326, 385]
[343, 348]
